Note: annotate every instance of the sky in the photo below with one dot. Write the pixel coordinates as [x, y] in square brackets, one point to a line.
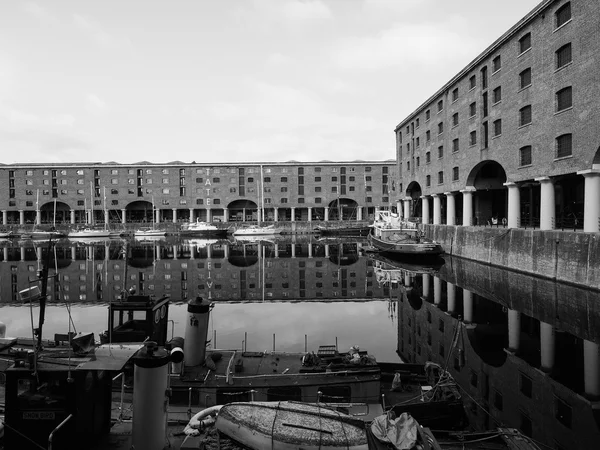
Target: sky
[219, 81]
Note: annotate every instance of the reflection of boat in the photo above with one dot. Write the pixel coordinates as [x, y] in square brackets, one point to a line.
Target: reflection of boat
[401, 239]
[256, 230]
[279, 425]
[204, 229]
[201, 243]
[430, 266]
[42, 234]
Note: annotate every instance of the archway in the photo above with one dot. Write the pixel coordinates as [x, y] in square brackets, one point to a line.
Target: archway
[242, 210]
[490, 199]
[139, 211]
[414, 191]
[51, 214]
[343, 209]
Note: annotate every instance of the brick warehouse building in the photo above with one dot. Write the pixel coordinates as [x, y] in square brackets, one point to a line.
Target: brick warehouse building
[514, 137]
[76, 193]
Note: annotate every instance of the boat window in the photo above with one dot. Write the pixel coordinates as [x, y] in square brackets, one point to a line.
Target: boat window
[232, 395]
[335, 394]
[283, 393]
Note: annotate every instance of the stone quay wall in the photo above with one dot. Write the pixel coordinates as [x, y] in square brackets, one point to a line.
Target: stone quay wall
[565, 256]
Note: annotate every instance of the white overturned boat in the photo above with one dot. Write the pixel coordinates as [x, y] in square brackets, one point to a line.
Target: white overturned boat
[291, 425]
[142, 233]
[256, 230]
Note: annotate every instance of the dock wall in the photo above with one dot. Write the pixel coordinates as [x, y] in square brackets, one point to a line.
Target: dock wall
[565, 256]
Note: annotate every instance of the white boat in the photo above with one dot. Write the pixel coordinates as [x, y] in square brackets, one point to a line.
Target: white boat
[149, 232]
[90, 233]
[257, 230]
[398, 238]
[6, 234]
[203, 228]
[291, 425]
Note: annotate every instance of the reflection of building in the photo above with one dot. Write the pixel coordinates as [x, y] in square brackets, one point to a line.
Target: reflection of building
[536, 368]
[220, 271]
[177, 191]
[514, 135]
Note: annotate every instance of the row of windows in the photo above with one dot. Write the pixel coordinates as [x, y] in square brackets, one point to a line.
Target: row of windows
[563, 57]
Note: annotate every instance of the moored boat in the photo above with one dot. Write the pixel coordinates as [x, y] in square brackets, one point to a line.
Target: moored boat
[256, 230]
[200, 228]
[391, 235]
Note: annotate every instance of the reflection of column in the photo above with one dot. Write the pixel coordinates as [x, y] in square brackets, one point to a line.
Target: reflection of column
[468, 206]
[514, 330]
[407, 279]
[450, 208]
[406, 209]
[123, 215]
[310, 213]
[293, 213]
[468, 306]
[293, 250]
[23, 254]
[514, 205]
[21, 217]
[209, 251]
[157, 252]
[547, 346]
[208, 215]
[326, 250]
[175, 252]
[310, 250]
[276, 214]
[547, 206]
[73, 254]
[591, 367]
[437, 209]
[591, 200]
[192, 218]
[424, 209]
[5, 253]
[451, 297]
[226, 251]
[326, 213]
[4, 217]
[359, 213]
[225, 214]
[437, 291]
[276, 250]
[72, 216]
[38, 217]
[426, 284]
[174, 220]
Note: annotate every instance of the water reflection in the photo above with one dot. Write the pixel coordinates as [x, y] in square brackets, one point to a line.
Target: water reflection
[525, 350]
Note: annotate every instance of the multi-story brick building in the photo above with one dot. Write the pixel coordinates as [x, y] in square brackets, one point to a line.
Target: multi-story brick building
[109, 192]
[515, 135]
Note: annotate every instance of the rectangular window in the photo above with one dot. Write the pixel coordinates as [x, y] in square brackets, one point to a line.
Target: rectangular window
[563, 412]
[427, 115]
[472, 82]
[473, 138]
[440, 177]
[526, 385]
[564, 145]
[440, 151]
[440, 127]
[497, 94]
[563, 14]
[564, 99]
[496, 64]
[455, 174]
[418, 142]
[525, 78]
[497, 127]
[472, 109]
[417, 122]
[428, 181]
[455, 94]
[563, 56]
[498, 400]
[440, 105]
[525, 156]
[525, 43]
[525, 115]
[455, 119]
[427, 157]
[455, 145]
[428, 135]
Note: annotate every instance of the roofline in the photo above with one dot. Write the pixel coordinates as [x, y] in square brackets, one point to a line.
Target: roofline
[490, 49]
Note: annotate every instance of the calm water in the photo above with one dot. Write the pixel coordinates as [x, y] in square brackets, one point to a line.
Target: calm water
[524, 350]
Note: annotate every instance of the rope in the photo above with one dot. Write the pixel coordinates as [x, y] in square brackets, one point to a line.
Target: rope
[23, 436]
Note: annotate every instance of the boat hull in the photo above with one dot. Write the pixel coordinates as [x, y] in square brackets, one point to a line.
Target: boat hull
[344, 231]
[290, 425]
[420, 249]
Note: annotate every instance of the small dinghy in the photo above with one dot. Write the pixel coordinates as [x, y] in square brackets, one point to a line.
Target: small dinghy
[291, 425]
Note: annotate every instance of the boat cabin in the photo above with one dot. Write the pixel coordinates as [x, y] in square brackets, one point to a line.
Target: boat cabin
[137, 318]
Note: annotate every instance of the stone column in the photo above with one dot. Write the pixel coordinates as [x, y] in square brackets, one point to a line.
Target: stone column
[5, 254]
[547, 346]
[276, 251]
[406, 208]
[547, 205]
[407, 279]
[399, 208]
[123, 216]
[4, 217]
[72, 216]
[451, 293]
[424, 209]
[192, 218]
[468, 206]
[437, 209]
[591, 364]
[21, 217]
[38, 217]
[514, 330]
[225, 214]
[310, 250]
[276, 214]
[326, 250]
[310, 213]
[426, 286]
[326, 213]
[157, 215]
[450, 208]
[106, 217]
[293, 213]
[209, 215]
[467, 306]
[437, 291]
[359, 213]
[174, 218]
[293, 246]
[591, 200]
[226, 251]
[514, 205]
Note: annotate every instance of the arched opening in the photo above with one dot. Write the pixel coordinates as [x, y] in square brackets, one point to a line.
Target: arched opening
[242, 211]
[414, 192]
[490, 200]
[139, 211]
[343, 209]
[55, 213]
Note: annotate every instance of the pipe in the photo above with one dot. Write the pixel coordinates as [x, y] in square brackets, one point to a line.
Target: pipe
[60, 425]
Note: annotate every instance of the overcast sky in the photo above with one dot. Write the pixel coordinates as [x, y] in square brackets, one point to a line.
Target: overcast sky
[228, 80]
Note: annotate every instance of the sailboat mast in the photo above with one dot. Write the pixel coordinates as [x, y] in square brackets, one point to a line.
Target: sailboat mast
[91, 203]
[261, 198]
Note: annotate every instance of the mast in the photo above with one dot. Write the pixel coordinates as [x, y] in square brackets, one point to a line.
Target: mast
[91, 204]
[261, 198]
